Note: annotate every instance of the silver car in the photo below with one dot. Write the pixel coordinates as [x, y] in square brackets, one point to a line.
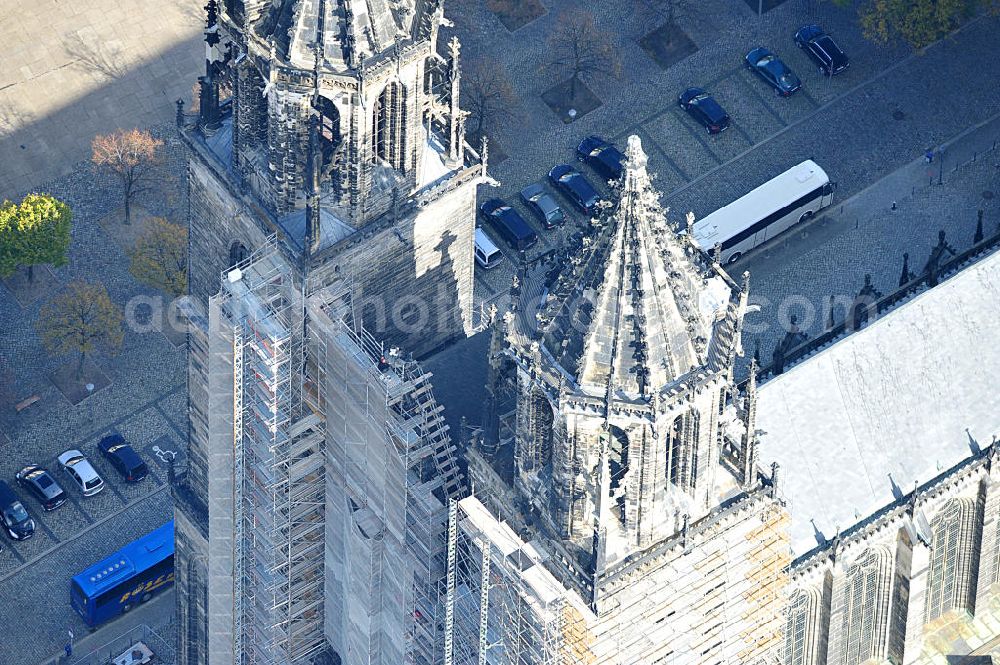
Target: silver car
[543, 205]
[83, 474]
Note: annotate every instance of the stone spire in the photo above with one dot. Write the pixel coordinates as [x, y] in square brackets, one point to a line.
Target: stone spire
[456, 116]
[748, 457]
[646, 329]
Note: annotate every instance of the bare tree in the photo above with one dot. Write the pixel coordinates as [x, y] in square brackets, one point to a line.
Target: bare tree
[488, 95]
[580, 50]
[666, 10]
[130, 156]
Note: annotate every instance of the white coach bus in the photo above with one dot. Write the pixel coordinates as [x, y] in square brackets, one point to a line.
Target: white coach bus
[790, 198]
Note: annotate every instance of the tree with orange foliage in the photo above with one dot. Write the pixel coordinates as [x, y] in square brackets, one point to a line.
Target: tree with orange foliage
[130, 155]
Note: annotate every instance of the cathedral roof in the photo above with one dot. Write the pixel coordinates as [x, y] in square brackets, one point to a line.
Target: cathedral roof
[352, 30]
[896, 403]
[632, 313]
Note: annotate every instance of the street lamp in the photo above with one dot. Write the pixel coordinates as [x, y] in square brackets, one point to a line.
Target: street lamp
[90, 405]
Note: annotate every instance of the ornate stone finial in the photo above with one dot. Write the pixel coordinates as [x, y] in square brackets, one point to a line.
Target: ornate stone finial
[911, 503]
[211, 13]
[635, 158]
[835, 545]
[484, 154]
[993, 456]
[454, 46]
[717, 253]
[745, 286]
[180, 112]
[689, 223]
[685, 522]
[774, 479]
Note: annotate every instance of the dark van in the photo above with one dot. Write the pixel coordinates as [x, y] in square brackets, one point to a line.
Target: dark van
[14, 516]
[509, 224]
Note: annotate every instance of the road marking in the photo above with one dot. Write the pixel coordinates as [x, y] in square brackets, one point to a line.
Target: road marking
[38, 557]
[649, 140]
[47, 530]
[809, 98]
[741, 132]
[79, 506]
[17, 555]
[748, 85]
[698, 135]
[166, 456]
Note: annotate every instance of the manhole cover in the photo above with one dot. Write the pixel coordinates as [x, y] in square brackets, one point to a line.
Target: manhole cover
[898, 115]
[988, 194]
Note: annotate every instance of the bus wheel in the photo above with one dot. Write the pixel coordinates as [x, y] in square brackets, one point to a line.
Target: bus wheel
[146, 596]
[734, 258]
[126, 607]
[806, 216]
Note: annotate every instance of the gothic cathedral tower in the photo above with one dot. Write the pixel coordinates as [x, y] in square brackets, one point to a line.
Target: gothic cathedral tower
[328, 152]
[335, 125]
[628, 488]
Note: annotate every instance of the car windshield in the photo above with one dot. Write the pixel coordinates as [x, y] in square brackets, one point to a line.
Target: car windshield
[700, 98]
[766, 60]
[91, 484]
[15, 513]
[117, 446]
[73, 460]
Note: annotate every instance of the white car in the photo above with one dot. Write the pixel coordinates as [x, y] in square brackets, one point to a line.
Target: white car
[83, 474]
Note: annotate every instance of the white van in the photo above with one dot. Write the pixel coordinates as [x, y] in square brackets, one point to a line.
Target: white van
[488, 255]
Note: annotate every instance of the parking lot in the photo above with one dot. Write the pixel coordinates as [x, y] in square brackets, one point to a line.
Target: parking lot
[150, 433]
[680, 150]
[882, 113]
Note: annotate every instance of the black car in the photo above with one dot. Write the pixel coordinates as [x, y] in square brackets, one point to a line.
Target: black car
[15, 518]
[702, 107]
[770, 68]
[822, 49]
[42, 486]
[544, 205]
[601, 156]
[508, 223]
[576, 188]
[126, 461]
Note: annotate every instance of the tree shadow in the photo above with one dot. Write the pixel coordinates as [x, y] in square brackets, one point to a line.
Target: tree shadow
[101, 59]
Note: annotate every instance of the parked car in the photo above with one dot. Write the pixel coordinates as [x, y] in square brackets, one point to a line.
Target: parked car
[576, 188]
[123, 457]
[822, 49]
[488, 255]
[544, 205]
[42, 486]
[776, 73]
[80, 470]
[15, 518]
[702, 107]
[508, 223]
[601, 156]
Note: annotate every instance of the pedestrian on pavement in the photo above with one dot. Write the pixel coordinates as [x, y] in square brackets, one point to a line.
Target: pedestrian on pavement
[929, 156]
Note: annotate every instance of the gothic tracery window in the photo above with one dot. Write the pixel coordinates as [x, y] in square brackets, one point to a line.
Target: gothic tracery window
[954, 560]
[865, 618]
[389, 125]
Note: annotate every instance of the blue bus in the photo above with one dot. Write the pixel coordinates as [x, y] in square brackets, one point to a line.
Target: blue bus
[130, 576]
